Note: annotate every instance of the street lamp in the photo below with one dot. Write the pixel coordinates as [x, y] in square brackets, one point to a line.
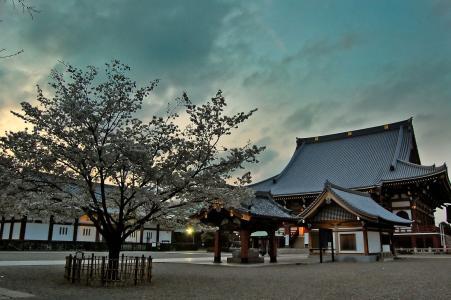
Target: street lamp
[190, 231]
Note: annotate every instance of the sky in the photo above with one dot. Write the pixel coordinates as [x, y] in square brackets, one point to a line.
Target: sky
[310, 67]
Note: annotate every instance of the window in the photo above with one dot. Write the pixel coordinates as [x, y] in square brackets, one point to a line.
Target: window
[86, 231]
[347, 242]
[63, 230]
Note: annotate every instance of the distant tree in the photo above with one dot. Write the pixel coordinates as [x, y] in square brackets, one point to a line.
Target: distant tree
[27, 8]
[86, 152]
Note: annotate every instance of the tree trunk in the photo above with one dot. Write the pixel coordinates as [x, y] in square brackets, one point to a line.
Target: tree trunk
[114, 250]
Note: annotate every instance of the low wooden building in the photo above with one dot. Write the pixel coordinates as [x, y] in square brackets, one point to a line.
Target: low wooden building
[351, 224]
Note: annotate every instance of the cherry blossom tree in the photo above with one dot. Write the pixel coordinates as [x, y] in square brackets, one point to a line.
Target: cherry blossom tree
[86, 152]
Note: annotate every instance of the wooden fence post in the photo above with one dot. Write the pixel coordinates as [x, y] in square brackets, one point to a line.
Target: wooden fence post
[149, 269]
[74, 267]
[136, 270]
[102, 271]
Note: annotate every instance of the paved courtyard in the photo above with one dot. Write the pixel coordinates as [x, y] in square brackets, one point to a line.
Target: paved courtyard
[293, 278]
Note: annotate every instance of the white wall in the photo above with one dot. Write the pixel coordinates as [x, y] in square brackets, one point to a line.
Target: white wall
[165, 236]
[88, 235]
[63, 232]
[374, 242]
[358, 241]
[36, 231]
[150, 236]
[134, 237]
[6, 228]
[400, 204]
[16, 231]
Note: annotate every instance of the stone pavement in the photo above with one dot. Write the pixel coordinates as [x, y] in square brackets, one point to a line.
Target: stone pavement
[10, 294]
[206, 259]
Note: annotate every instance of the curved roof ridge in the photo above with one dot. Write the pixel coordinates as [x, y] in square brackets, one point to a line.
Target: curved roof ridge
[262, 181]
[290, 163]
[424, 167]
[330, 184]
[398, 148]
[357, 132]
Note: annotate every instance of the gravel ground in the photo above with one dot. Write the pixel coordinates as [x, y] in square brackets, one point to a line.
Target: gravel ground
[400, 279]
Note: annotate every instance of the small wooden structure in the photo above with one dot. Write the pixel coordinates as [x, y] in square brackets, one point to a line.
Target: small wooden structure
[351, 223]
[262, 213]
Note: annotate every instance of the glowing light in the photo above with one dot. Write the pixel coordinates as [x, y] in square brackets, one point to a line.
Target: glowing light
[190, 230]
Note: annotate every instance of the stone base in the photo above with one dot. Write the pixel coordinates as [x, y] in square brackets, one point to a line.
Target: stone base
[253, 257]
[356, 258]
[250, 260]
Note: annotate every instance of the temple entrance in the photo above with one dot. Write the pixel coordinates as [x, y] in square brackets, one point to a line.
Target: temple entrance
[326, 244]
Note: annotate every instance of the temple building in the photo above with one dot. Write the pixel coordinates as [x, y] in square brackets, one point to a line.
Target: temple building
[384, 163]
[351, 225]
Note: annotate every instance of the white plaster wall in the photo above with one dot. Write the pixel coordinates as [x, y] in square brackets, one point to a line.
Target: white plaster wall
[401, 204]
[358, 241]
[135, 238]
[165, 236]
[86, 238]
[150, 236]
[56, 236]
[6, 228]
[374, 242]
[36, 232]
[306, 238]
[16, 230]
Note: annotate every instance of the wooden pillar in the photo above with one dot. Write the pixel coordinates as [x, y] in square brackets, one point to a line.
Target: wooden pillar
[332, 245]
[141, 235]
[413, 241]
[365, 241]
[98, 235]
[217, 247]
[11, 228]
[23, 228]
[157, 243]
[50, 233]
[320, 243]
[2, 227]
[244, 238]
[74, 237]
[272, 251]
[392, 247]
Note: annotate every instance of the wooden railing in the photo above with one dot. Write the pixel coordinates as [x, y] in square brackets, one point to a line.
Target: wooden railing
[100, 270]
[423, 250]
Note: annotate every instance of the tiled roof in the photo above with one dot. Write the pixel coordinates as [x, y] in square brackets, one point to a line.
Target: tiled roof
[357, 159]
[364, 204]
[263, 205]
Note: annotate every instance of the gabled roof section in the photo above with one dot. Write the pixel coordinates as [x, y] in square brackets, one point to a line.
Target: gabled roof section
[357, 203]
[407, 170]
[263, 205]
[355, 159]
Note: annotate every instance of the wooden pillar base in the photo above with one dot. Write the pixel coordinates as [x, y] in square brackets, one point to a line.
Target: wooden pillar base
[217, 247]
[272, 247]
[244, 238]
